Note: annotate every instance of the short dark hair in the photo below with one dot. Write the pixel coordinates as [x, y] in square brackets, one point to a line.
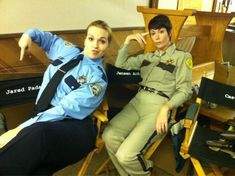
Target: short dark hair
[160, 21]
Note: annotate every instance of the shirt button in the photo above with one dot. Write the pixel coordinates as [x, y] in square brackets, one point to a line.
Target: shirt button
[72, 87]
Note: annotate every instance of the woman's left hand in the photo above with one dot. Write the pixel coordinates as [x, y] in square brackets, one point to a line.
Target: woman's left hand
[162, 120]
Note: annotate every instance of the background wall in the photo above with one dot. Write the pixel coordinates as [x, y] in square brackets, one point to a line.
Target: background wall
[18, 15]
[55, 15]
[201, 5]
[167, 4]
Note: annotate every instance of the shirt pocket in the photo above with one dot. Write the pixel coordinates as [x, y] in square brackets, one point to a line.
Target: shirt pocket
[168, 71]
[169, 76]
[71, 83]
[144, 71]
[146, 68]
[158, 74]
[161, 75]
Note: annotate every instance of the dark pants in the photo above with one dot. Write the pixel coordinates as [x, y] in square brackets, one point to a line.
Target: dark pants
[45, 147]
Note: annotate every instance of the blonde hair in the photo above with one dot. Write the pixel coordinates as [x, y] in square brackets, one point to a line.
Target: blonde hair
[103, 25]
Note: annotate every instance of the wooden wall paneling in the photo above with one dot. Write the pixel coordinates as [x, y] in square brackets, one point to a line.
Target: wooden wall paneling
[9, 58]
[35, 62]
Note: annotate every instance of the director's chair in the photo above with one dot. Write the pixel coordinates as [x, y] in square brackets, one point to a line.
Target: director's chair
[105, 166]
[25, 91]
[129, 78]
[194, 146]
[101, 118]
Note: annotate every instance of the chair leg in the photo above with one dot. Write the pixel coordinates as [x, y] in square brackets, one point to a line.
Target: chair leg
[104, 168]
[197, 167]
[154, 146]
[85, 164]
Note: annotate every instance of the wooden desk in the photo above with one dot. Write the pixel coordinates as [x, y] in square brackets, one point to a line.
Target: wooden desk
[220, 113]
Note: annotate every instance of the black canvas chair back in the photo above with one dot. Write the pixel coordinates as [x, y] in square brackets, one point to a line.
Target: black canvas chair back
[122, 76]
[194, 145]
[216, 92]
[18, 91]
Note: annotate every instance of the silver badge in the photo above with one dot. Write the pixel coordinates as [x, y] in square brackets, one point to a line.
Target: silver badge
[82, 79]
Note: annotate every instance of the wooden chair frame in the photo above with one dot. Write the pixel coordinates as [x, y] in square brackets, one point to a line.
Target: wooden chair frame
[105, 166]
[101, 117]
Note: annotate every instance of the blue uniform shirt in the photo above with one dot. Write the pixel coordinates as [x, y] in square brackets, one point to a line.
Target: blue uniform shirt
[82, 88]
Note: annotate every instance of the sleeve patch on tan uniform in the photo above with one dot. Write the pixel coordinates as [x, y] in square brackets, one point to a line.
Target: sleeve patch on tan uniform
[189, 62]
[96, 88]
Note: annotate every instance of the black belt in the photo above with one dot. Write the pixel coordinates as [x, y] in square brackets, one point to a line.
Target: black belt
[152, 90]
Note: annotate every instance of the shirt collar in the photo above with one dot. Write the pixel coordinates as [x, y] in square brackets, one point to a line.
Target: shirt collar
[88, 60]
[170, 50]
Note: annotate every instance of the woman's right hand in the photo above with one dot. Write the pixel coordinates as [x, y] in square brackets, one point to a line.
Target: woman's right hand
[24, 43]
[139, 37]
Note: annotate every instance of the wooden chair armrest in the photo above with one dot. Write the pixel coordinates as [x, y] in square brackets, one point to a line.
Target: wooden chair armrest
[100, 116]
[190, 124]
[105, 106]
[192, 111]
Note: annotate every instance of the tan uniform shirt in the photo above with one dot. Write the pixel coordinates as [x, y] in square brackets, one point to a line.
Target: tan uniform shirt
[170, 72]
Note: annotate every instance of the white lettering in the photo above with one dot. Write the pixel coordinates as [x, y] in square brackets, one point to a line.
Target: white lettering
[14, 91]
[229, 96]
[123, 73]
[136, 73]
[30, 88]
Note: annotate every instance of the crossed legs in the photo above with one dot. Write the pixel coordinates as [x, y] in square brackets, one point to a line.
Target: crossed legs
[128, 136]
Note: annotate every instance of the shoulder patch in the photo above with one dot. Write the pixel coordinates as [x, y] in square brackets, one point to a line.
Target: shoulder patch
[96, 88]
[189, 62]
[66, 43]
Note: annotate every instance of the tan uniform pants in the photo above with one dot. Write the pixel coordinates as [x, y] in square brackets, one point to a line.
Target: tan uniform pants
[131, 132]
